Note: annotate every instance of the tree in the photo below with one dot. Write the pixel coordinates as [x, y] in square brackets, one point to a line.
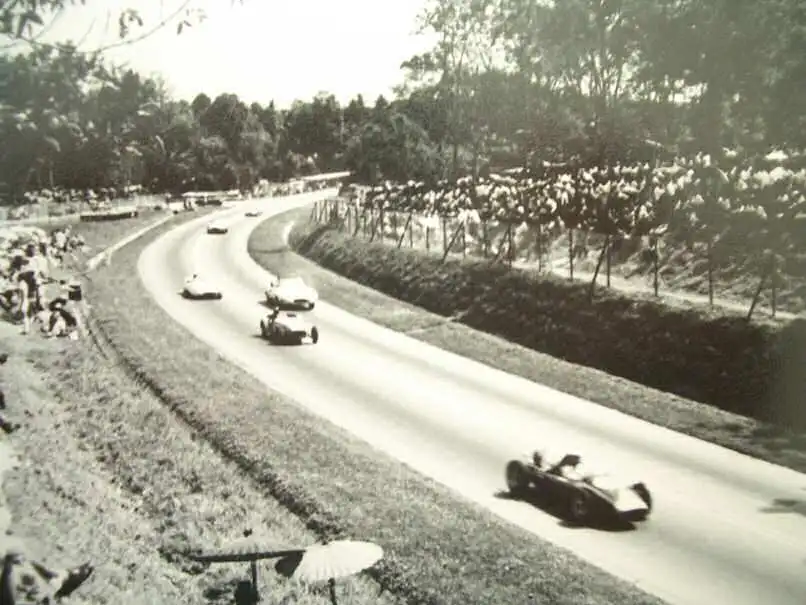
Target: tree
[464, 47]
[26, 20]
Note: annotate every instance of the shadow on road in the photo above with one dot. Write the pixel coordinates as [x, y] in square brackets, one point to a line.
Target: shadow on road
[553, 508]
[786, 505]
[276, 250]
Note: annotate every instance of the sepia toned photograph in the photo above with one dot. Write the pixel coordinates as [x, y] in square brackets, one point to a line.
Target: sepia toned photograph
[423, 302]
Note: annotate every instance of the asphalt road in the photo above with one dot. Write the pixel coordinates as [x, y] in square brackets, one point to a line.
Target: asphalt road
[715, 536]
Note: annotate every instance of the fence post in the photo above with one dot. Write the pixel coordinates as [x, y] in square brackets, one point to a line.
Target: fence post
[571, 253]
[711, 273]
[394, 224]
[485, 243]
[510, 247]
[656, 264]
[774, 286]
[403, 235]
[539, 247]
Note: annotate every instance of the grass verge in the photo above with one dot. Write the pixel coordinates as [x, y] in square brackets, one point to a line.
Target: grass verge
[439, 549]
[747, 435]
[109, 474]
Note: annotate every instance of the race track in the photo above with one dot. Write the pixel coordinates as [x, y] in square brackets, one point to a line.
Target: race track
[713, 539]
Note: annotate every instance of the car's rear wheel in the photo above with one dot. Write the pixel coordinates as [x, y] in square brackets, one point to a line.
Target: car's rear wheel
[314, 335]
[578, 508]
[310, 306]
[517, 478]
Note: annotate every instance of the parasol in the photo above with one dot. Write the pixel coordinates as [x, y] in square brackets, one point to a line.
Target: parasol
[326, 562]
[249, 549]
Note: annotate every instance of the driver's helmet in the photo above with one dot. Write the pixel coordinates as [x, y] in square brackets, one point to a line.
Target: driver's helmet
[537, 458]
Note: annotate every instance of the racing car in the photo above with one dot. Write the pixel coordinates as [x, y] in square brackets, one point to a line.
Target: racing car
[291, 292]
[198, 289]
[288, 328]
[583, 496]
[253, 213]
[217, 228]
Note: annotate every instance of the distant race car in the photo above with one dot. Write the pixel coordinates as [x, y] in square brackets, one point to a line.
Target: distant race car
[288, 328]
[197, 288]
[217, 228]
[291, 292]
[253, 213]
[583, 496]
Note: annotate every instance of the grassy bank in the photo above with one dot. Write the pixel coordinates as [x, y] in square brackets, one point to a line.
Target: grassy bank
[448, 311]
[439, 549]
[109, 475]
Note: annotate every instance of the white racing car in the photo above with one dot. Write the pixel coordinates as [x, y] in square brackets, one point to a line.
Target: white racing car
[217, 228]
[288, 328]
[291, 292]
[253, 213]
[197, 288]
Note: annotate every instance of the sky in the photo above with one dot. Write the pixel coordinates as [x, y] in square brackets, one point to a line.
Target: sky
[261, 50]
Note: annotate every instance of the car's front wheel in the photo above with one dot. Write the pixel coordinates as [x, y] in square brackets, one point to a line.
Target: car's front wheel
[517, 478]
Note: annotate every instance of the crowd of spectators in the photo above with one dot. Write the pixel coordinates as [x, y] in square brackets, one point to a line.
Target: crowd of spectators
[34, 286]
[61, 201]
[30, 260]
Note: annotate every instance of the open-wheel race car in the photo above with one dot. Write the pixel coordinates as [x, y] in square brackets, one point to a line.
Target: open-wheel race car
[288, 328]
[582, 496]
[253, 213]
[196, 288]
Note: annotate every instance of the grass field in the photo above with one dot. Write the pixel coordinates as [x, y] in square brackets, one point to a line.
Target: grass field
[439, 549]
[730, 430]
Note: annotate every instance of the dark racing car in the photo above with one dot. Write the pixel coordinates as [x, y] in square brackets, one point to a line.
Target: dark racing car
[288, 328]
[582, 496]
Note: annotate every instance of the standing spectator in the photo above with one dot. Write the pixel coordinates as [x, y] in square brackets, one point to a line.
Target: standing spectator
[5, 426]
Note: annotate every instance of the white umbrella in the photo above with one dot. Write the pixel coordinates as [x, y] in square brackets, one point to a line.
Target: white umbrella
[244, 549]
[326, 562]
[250, 549]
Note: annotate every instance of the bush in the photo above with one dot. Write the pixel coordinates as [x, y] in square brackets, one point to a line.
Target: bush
[722, 360]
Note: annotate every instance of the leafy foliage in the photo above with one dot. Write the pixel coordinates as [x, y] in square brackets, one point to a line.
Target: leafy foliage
[507, 83]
